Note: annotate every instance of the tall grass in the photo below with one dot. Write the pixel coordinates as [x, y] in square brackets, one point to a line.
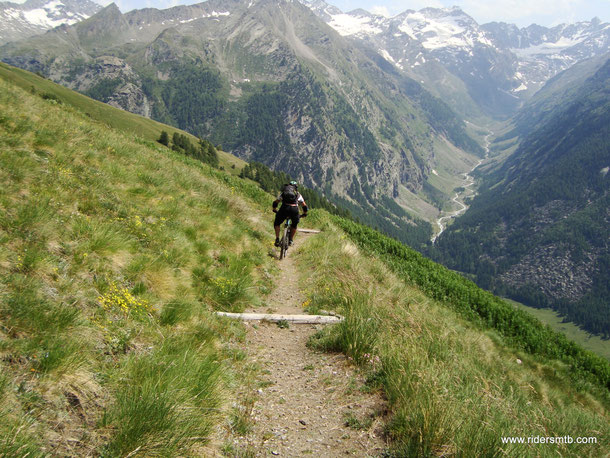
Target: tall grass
[452, 390]
[167, 399]
[356, 335]
[15, 439]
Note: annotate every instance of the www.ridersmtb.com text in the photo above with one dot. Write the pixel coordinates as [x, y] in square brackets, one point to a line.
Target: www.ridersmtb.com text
[549, 440]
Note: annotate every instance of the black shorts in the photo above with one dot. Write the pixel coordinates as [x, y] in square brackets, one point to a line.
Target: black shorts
[287, 211]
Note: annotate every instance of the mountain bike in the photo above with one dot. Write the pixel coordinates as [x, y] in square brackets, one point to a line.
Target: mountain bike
[285, 241]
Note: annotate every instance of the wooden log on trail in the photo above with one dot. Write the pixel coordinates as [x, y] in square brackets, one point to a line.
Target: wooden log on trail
[274, 318]
[309, 231]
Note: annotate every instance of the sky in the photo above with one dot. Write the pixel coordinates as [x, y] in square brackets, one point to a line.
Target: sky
[521, 12]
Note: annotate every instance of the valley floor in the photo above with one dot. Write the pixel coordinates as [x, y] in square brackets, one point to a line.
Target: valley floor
[588, 341]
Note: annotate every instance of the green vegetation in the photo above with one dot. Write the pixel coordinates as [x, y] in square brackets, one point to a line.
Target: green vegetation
[123, 121]
[104, 89]
[400, 226]
[205, 151]
[263, 126]
[442, 117]
[258, 120]
[454, 387]
[190, 99]
[114, 252]
[586, 340]
[518, 328]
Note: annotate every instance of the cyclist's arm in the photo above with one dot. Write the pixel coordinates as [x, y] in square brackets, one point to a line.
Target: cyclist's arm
[303, 204]
[277, 201]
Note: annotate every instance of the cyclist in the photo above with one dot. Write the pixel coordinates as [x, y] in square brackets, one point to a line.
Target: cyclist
[290, 199]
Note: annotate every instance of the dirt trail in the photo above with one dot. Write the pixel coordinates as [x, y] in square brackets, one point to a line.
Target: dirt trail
[310, 396]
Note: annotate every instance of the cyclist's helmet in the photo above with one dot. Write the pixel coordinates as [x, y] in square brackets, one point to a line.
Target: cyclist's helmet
[294, 183]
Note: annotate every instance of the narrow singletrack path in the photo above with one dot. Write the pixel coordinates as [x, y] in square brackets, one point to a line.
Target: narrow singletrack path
[311, 403]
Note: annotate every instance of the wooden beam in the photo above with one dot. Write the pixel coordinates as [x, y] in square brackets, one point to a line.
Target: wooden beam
[274, 318]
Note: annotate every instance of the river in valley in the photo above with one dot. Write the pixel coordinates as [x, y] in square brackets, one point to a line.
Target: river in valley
[460, 197]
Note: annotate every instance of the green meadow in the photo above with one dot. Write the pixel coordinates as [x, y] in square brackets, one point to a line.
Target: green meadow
[586, 340]
[118, 119]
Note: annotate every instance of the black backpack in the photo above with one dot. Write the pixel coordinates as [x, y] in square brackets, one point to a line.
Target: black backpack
[289, 194]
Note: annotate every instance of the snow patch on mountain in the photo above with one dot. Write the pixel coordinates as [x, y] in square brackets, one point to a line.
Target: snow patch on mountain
[347, 24]
[387, 56]
[441, 31]
[50, 16]
[19, 21]
[498, 59]
[549, 47]
[406, 28]
[213, 14]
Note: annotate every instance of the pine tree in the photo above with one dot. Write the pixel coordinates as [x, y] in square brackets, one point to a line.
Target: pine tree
[164, 138]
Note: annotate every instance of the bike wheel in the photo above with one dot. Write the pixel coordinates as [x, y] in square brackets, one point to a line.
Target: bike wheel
[284, 244]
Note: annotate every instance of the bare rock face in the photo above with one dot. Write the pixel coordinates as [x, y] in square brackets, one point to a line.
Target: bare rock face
[554, 271]
[104, 67]
[126, 93]
[130, 97]
[113, 67]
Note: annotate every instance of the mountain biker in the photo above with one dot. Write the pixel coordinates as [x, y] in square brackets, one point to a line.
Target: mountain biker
[290, 199]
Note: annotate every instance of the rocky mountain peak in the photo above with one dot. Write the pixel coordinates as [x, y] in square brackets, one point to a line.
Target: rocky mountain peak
[110, 12]
[105, 27]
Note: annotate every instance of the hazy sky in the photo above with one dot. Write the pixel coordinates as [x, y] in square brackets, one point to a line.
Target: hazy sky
[520, 12]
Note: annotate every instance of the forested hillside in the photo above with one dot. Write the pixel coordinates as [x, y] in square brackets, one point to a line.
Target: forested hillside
[539, 229]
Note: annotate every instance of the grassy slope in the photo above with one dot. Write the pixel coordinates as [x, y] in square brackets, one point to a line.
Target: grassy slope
[114, 117]
[453, 388]
[113, 251]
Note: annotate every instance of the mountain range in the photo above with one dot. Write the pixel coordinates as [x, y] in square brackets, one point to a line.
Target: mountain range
[479, 70]
[491, 68]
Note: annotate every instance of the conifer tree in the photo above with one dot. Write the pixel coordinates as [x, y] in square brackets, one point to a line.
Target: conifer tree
[164, 138]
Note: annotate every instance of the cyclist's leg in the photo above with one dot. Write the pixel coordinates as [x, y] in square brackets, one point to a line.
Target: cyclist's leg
[280, 217]
[295, 221]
